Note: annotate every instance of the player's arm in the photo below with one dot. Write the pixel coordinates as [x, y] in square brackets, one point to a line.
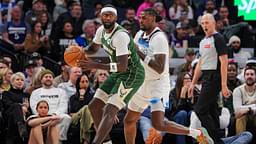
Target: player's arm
[197, 72]
[92, 48]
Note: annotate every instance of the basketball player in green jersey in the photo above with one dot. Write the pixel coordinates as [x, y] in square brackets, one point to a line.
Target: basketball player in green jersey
[127, 73]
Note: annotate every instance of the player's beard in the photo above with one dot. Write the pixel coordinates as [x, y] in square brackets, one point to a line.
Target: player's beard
[108, 25]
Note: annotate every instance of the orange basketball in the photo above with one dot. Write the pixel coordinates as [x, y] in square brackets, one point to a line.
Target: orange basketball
[73, 54]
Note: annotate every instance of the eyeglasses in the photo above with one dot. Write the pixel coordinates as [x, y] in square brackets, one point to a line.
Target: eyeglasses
[101, 74]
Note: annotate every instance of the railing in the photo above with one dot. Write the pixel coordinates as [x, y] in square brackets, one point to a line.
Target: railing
[19, 58]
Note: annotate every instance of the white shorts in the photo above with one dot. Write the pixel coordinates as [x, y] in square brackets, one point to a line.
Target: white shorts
[150, 89]
[115, 99]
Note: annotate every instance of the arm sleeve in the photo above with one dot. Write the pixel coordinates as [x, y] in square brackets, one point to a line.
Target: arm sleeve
[63, 105]
[237, 99]
[121, 45]
[98, 35]
[220, 45]
[159, 44]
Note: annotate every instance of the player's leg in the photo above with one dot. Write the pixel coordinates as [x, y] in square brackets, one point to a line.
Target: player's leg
[130, 129]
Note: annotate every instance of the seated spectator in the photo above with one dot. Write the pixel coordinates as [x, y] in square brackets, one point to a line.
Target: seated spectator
[46, 22]
[180, 37]
[35, 81]
[43, 126]
[224, 15]
[236, 52]
[130, 15]
[16, 30]
[70, 86]
[210, 7]
[64, 76]
[244, 98]
[38, 6]
[35, 56]
[57, 100]
[186, 67]
[79, 111]
[29, 68]
[59, 9]
[5, 76]
[99, 77]
[35, 42]
[160, 9]
[180, 11]
[180, 104]
[16, 106]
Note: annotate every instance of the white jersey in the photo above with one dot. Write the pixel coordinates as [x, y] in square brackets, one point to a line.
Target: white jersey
[150, 45]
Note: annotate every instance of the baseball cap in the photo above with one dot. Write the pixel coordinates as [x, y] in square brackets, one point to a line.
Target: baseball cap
[190, 51]
[30, 63]
[35, 55]
[182, 25]
[153, 12]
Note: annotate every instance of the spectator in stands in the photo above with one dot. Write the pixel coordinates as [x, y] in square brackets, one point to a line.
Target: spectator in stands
[63, 40]
[35, 56]
[46, 22]
[64, 76]
[232, 83]
[89, 30]
[70, 86]
[5, 76]
[74, 16]
[130, 15]
[180, 104]
[244, 98]
[224, 15]
[57, 100]
[209, 8]
[99, 78]
[180, 11]
[3, 63]
[236, 52]
[160, 9]
[97, 8]
[36, 81]
[16, 30]
[146, 4]
[29, 68]
[180, 37]
[166, 26]
[16, 107]
[59, 9]
[79, 111]
[128, 26]
[186, 67]
[38, 6]
[43, 125]
[35, 41]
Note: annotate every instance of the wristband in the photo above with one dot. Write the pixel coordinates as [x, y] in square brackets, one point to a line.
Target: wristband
[113, 67]
[147, 59]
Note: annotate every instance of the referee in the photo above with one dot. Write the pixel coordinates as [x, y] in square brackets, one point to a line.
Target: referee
[212, 66]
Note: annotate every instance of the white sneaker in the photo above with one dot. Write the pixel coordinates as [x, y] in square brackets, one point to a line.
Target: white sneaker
[108, 142]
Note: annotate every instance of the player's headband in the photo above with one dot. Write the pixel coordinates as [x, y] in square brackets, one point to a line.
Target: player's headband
[108, 9]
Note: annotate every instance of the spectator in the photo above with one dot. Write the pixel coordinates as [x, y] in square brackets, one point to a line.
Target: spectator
[35, 42]
[38, 6]
[99, 78]
[166, 26]
[64, 76]
[59, 9]
[89, 30]
[29, 69]
[35, 56]
[16, 107]
[130, 15]
[5, 76]
[3, 64]
[236, 52]
[186, 67]
[36, 82]
[70, 86]
[243, 98]
[180, 11]
[16, 30]
[180, 37]
[57, 100]
[46, 22]
[146, 4]
[209, 8]
[160, 9]
[79, 111]
[224, 15]
[43, 126]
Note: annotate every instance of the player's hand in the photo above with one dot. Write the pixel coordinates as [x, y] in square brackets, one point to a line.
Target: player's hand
[87, 65]
[191, 90]
[225, 91]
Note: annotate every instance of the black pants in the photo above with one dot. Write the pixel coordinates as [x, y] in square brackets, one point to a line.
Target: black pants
[207, 108]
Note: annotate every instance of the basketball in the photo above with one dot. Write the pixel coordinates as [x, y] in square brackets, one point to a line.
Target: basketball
[73, 54]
